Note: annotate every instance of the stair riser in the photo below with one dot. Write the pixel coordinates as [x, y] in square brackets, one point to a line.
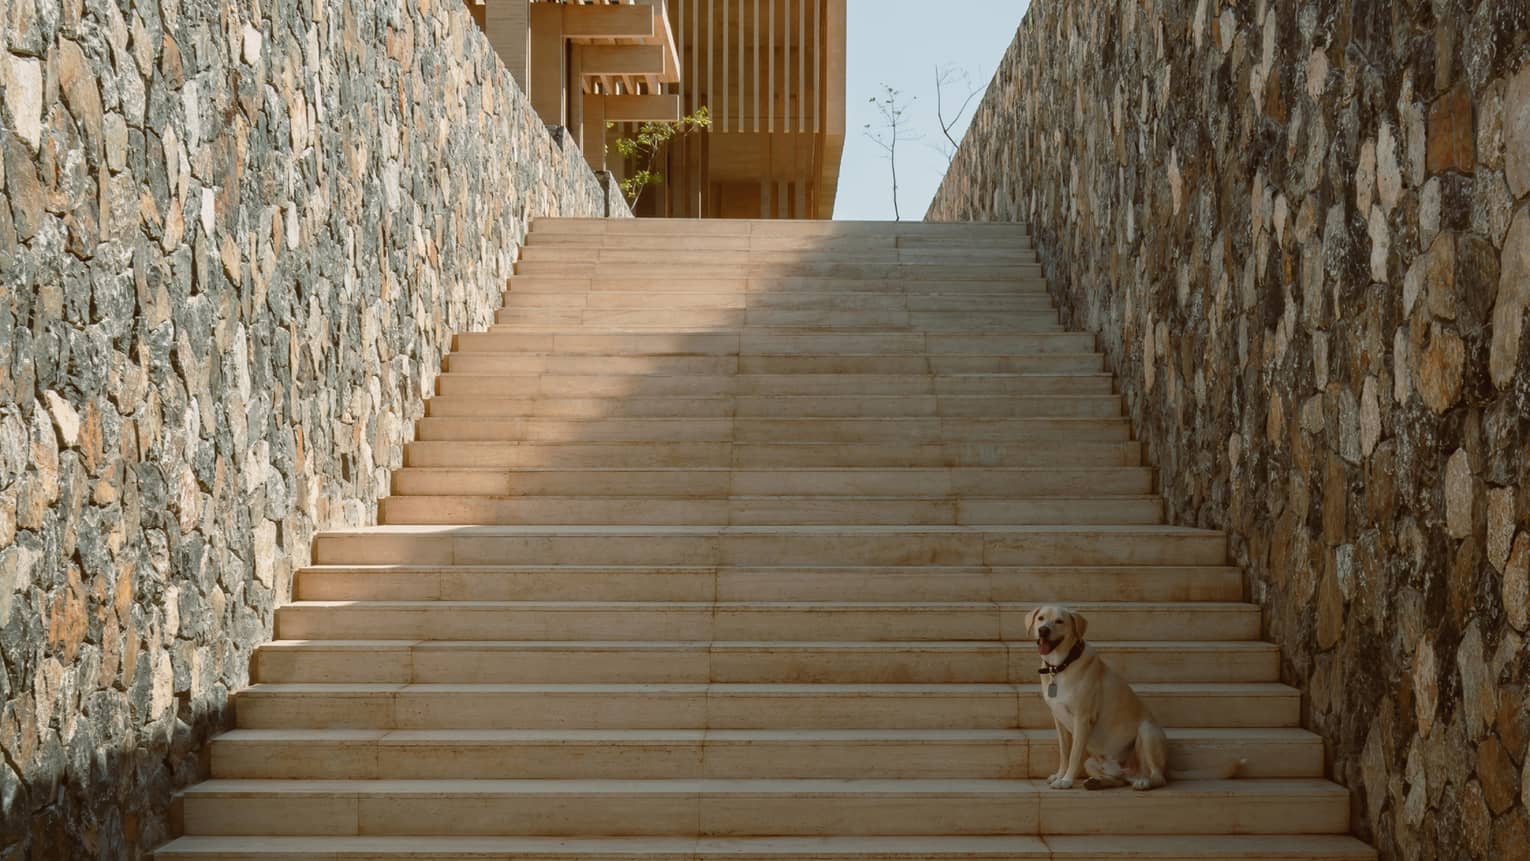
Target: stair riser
[703, 620]
[668, 242]
[533, 364]
[755, 343]
[525, 297]
[942, 272]
[779, 285]
[549, 664]
[719, 483]
[1028, 809]
[467, 708]
[803, 255]
[828, 547]
[596, 229]
[859, 432]
[773, 406]
[1063, 585]
[765, 511]
[823, 321]
[616, 759]
[721, 455]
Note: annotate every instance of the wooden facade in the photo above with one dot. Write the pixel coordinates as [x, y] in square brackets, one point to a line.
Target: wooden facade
[770, 72]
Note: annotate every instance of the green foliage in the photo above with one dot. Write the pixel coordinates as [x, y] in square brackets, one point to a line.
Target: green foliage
[644, 149]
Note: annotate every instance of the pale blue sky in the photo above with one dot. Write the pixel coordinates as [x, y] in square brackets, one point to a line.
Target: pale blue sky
[901, 42]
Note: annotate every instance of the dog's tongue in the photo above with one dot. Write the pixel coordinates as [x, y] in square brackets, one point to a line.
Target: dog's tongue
[1044, 646]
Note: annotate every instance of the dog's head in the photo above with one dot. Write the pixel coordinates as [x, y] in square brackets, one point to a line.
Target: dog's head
[1056, 629]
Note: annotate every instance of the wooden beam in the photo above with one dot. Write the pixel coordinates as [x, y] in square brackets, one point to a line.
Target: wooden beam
[507, 23]
[623, 59]
[642, 109]
[548, 64]
[608, 22]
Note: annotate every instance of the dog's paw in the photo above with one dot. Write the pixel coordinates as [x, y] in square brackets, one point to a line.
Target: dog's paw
[1142, 783]
[1063, 782]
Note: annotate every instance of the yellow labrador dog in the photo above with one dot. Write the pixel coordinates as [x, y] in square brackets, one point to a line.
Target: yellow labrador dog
[1103, 729]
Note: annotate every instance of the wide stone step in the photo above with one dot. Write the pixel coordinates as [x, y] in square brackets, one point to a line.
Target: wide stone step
[841, 369]
[774, 545]
[767, 319]
[782, 267]
[751, 342]
[663, 242]
[732, 706]
[526, 296]
[659, 227]
[679, 754]
[755, 807]
[956, 430]
[779, 406]
[534, 404]
[968, 256]
[988, 482]
[660, 661]
[769, 510]
[1052, 848]
[1054, 388]
[720, 454]
[1068, 584]
[735, 283]
[772, 621]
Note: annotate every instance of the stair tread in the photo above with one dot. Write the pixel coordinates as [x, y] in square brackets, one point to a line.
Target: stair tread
[777, 786]
[1007, 848]
[1265, 734]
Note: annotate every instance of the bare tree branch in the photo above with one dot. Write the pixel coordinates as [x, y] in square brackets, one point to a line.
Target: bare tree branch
[893, 128]
[946, 76]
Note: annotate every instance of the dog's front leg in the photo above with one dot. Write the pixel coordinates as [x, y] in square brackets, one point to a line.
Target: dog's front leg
[1082, 727]
[1064, 745]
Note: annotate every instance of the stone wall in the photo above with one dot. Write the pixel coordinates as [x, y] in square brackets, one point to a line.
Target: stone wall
[1301, 231]
[236, 238]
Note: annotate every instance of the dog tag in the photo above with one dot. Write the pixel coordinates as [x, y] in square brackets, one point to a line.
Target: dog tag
[1052, 690]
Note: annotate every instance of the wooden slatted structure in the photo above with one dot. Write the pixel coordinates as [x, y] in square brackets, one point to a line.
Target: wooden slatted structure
[771, 72]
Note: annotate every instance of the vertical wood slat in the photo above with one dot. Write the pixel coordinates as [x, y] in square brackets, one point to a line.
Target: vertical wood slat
[711, 95]
[770, 102]
[802, 52]
[818, 49]
[755, 96]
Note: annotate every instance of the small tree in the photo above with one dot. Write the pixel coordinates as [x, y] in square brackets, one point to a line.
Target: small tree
[957, 77]
[643, 150]
[892, 128]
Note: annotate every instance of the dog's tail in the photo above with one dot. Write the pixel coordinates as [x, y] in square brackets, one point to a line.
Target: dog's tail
[1225, 772]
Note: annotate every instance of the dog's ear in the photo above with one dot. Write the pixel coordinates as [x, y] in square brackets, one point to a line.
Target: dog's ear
[1030, 621]
[1080, 624]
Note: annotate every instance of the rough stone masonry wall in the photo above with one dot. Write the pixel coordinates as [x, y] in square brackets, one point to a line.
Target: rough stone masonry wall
[1301, 231]
[236, 237]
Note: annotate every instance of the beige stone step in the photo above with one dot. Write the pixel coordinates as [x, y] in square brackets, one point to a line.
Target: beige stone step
[784, 267]
[732, 706]
[1088, 394]
[988, 482]
[735, 243]
[845, 367]
[784, 621]
[768, 510]
[678, 754]
[830, 256]
[591, 227]
[535, 404]
[526, 296]
[576, 340]
[774, 545]
[756, 807]
[1064, 584]
[768, 430]
[624, 281]
[719, 454]
[662, 661]
[772, 318]
[1052, 848]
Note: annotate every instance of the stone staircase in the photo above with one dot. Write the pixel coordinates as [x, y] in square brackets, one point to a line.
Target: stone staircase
[719, 546]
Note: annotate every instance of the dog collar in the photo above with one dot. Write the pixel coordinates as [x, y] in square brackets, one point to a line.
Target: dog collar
[1073, 654]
